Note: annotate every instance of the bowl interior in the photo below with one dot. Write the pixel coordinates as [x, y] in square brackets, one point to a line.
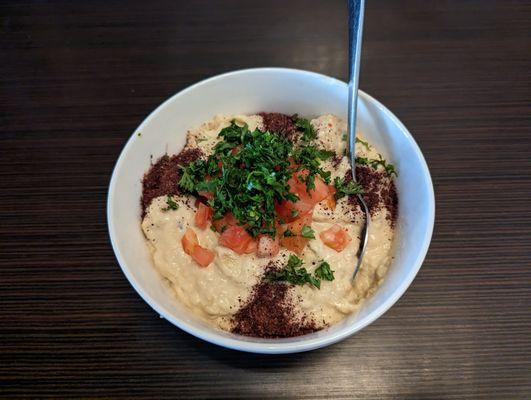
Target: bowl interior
[247, 92]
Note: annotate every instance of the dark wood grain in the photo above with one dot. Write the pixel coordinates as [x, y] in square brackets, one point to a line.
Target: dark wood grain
[77, 77]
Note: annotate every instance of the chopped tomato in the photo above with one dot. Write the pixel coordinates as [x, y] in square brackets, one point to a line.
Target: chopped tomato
[208, 195]
[267, 246]
[202, 215]
[203, 256]
[191, 247]
[290, 211]
[321, 190]
[292, 163]
[331, 200]
[251, 247]
[235, 238]
[296, 226]
[189, 241]
[226, 221]
[296, 243]
[336, 238]
[298, 186]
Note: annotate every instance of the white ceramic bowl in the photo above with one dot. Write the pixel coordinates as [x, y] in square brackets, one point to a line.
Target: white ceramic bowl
[245, 92]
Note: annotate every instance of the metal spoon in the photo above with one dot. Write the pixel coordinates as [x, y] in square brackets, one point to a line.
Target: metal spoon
[355, 28]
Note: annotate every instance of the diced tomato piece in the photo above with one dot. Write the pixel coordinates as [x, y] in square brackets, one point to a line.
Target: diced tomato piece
[296, 226]
[331, 200]
[296, 243]
[208, 195]
[226, 221]
[320, 192]
[189, 241]
[296, 182]
[220, 164]
[303, 206]
[251, 247]
[203, 256]
[198, 253]
[292, 163]
[289, 211]
[335, 237]
[267, 246]
[235, 150]
[331, 190]
[202, 215]
[235, 238]
[283, 211]
[298, 186]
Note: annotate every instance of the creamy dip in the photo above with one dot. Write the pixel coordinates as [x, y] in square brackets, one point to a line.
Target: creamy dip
[217, 292]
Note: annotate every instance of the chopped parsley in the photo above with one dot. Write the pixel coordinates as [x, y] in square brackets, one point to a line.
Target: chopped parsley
[294, 273]
[309, 158]
[374, 163]
[171, 204]
[247, 174]
[346, 188]
[288, 233]
[366, 144]
[307, 232]
[308, 133]
[324, 272]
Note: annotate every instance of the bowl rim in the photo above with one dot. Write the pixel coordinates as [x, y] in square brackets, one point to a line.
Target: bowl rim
[271, 346]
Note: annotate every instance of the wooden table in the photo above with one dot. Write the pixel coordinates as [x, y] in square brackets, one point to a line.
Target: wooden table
[77, 78]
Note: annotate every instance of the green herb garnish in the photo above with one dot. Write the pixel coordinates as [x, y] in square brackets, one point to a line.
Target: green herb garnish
[324, 272]
[288, 233]
[346, 188]
[308, 133]
[247, 174]
[309, 158]
[172, 205]
[374, 163]
[307, 232]
[294, 273]
[366, 144]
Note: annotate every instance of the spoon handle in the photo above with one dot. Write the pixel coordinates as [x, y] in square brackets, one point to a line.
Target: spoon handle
[355, 28]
